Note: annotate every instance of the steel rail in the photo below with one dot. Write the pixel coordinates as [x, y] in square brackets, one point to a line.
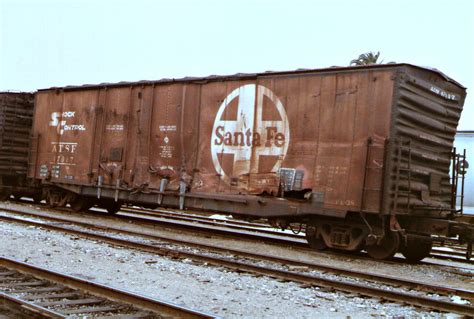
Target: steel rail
[205, 230]
[299, 243]
[24, 309]
[207, 220]
[197, 215]
[447, 252]
[202, 219]
[237, 225]
[268, 236]
[260, 256]
[250, 232]
[154, 307]
[178, 215]
[285, 275]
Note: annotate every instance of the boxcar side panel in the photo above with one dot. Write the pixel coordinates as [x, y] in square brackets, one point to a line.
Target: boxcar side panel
[112, 134]
[173, 134]
[380, 90]
[217, 152]
[65, 122]
[287, 134]
[351, 113]
[291, 133]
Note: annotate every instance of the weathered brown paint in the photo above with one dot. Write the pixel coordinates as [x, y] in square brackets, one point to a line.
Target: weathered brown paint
[16, 115]
[164, 130]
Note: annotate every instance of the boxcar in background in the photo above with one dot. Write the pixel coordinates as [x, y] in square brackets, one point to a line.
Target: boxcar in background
[465, 141]
[360, 155]
[16, 118]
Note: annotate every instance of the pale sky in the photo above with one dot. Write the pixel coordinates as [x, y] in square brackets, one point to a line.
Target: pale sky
[71, 42]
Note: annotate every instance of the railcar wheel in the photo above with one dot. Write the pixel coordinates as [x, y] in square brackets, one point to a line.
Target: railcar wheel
[417, 248]
[17, 196]
[37, 198]
[314, 239]
[386, 248]
[5, 195]
[88, 204]
[81, 204]
[113, 208]
[53, 200]
[150, 206]
[76, 205]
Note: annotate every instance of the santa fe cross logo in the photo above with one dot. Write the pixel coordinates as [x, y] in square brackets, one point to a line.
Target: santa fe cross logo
[250, 136]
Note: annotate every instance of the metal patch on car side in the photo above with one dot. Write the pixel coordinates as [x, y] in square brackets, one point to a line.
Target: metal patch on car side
[291, 179]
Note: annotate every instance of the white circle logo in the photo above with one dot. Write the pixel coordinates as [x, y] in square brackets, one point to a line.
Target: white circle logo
[248, 135]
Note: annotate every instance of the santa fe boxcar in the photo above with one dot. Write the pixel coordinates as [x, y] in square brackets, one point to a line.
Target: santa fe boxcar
[360, 155]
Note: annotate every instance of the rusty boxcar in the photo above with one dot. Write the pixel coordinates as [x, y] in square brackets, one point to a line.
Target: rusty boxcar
[16, 119]
[360, 155]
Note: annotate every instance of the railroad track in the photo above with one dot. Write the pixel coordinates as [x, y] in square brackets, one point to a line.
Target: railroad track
[242, 229]
[28, 291]
[401, 291]
[207, 219]
[457, 253]
[195, 215]
[253, 232]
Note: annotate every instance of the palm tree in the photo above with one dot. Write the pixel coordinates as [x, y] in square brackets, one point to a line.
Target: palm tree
[366, 58]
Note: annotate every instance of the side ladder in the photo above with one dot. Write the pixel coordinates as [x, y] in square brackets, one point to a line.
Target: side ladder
[458, 173]
[402, 171]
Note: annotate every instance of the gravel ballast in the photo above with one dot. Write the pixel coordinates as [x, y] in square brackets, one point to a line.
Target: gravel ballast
[210, 289]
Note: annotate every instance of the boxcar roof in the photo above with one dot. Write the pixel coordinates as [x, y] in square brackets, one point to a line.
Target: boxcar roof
[242, 76]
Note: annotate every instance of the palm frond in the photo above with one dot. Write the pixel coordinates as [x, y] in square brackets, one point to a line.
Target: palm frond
[366, 58]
